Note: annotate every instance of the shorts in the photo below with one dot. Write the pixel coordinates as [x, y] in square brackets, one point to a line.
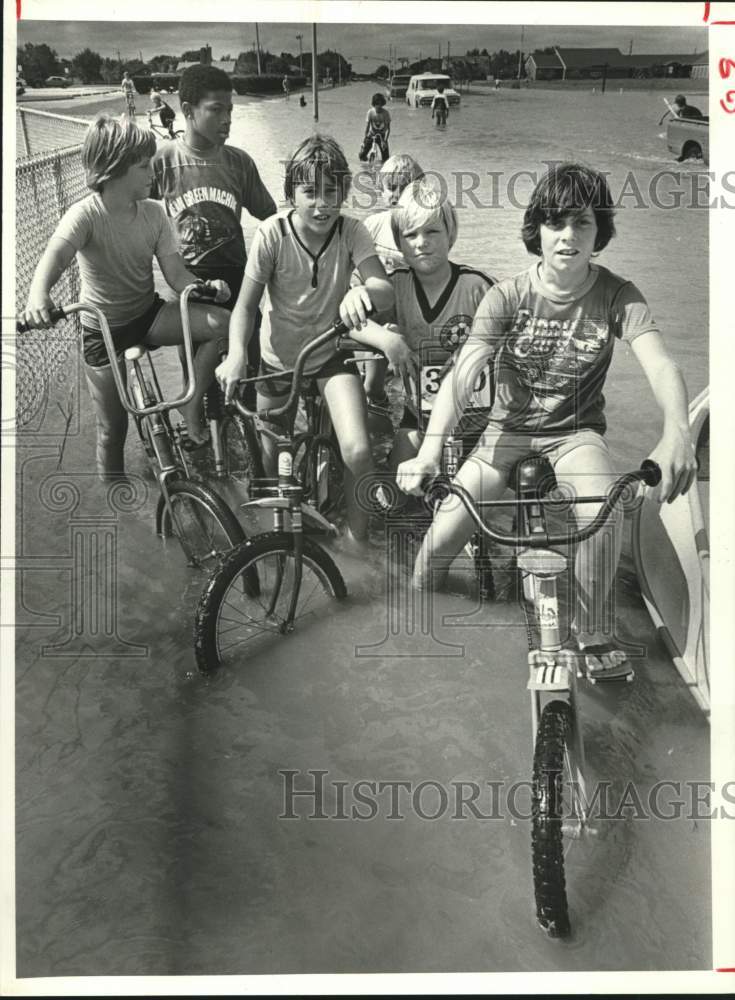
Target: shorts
[274, 388]
[471, 427]
[123, 337]
[167, 116]
[501, 449]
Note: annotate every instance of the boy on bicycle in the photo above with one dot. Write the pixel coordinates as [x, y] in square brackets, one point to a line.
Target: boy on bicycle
[377, 126]
[128, 88]
[115, 232]
[435, 303]
[166, 113]
[205, 184]
[550, 332]
[395, 175]
[304, 258]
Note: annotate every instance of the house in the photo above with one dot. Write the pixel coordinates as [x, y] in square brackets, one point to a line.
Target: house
[663, 64]
[700, 67]
[591, 64]
[544, 66]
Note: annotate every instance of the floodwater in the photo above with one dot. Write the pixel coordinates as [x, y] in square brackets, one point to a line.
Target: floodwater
[150, 802]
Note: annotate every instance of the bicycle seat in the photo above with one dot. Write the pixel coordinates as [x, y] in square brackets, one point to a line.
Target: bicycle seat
[533, 474]
[136, 352]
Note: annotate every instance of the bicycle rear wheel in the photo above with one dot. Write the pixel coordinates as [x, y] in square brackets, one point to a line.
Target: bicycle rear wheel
[245, 603]
[200, 520]
[552, 779]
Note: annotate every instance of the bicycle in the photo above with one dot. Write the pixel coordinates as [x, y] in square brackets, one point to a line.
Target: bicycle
[130, 105]
[255, 592]
[160, 130]
[558, 759]
[196, 515]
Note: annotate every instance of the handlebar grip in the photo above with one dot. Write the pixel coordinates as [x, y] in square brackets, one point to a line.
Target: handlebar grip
[55, 315]
[203, 293]
[650, 472]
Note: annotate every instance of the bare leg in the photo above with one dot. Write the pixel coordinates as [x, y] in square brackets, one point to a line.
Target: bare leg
[112, 420]
[589, 471]
[405, 446]
[209, 325]
[452, 526]
[345, 399]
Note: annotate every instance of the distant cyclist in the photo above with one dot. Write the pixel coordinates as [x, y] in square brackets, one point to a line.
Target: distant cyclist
[165, 112]
[440, 106]
[128, 88]
[377, 126]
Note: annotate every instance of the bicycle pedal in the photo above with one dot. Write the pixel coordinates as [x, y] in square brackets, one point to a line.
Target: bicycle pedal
[608, 676]
[550, 672]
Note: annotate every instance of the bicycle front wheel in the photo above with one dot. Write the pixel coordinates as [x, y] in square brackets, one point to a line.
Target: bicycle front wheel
[552, 775]
[246, 601]
[200, 520]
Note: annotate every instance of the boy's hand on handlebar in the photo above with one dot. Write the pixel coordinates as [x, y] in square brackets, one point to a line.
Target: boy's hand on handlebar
[401, 359]
[676, 456]
[229, 373]
[411, 474]
[221, 290]
[355, 307]
[37, 312]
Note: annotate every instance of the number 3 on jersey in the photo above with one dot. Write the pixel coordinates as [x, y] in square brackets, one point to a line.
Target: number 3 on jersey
[431, 380]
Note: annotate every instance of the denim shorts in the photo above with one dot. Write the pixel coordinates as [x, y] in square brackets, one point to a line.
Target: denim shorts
[501, 449]
[274, 388]
[123, 337]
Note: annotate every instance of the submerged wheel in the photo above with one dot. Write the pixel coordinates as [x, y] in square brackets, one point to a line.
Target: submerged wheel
[551, 774]
[200, 520]
[246, 601]
[241, 451]
[319, 468]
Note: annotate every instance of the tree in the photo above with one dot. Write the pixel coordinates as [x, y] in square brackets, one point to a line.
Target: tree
[88, 65]
[162, 63]
[38, 62]
[382, 72]
[191, 55]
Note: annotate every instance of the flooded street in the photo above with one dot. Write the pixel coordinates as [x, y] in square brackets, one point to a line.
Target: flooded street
[160, 829]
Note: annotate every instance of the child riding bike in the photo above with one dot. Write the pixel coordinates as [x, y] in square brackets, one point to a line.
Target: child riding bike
[166, 114]
[128, 88]
[115, 232]
[550, 333]
[305, 258]
[377, 127]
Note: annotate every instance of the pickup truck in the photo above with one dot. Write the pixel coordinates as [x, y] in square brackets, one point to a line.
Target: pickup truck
[688, 138]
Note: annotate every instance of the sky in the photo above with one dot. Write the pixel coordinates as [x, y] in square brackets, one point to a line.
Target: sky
[364, 45]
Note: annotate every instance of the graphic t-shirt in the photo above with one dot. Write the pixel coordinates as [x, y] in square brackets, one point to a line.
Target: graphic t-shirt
[116, 257]
[552, 352]
[204, 195]
[435, 332]
[439, 103]
[303, 290]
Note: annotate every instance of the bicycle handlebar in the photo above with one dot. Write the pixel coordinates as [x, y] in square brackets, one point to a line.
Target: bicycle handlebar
[439, 487]
[337, 330]
[63, 312]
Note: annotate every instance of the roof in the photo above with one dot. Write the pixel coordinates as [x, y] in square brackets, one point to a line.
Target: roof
[581, 58]
[545, 60]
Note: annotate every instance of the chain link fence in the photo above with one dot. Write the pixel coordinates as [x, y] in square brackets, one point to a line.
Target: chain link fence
[47, 183]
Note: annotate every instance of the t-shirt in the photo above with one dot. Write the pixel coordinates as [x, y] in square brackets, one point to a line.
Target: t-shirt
[204, 195]
[379, 227]
[552, 352]
[436, 332]
[378, 120]
[439, 102]
[303, 290]
[116, 257]
[688, 111]
[128, 87]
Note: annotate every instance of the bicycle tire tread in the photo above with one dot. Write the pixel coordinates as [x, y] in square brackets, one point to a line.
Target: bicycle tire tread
[547, 847]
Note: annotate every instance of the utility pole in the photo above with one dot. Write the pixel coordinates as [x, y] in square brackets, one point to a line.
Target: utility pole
[301, 54]
[630, 48]
[314, 80]
[257, 46]
[520, 54]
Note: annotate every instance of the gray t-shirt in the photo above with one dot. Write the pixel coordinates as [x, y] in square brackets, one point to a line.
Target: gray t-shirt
[116, 257]
[553, 351]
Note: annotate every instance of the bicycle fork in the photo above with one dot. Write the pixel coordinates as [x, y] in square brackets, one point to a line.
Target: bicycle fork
[553, 671]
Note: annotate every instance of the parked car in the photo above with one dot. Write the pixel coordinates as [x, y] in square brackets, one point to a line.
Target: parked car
[20, 86]
[422, 89]
[688, 138]
[398, 86]
[57, 81]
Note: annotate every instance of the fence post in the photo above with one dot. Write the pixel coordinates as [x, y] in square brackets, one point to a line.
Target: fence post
[24, 132]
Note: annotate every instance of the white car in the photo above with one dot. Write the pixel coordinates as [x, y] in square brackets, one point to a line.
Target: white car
[422, 89]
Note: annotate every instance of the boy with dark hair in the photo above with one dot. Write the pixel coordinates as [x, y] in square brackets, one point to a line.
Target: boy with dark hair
[377, 126]
[440, 106]
[205, 184]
